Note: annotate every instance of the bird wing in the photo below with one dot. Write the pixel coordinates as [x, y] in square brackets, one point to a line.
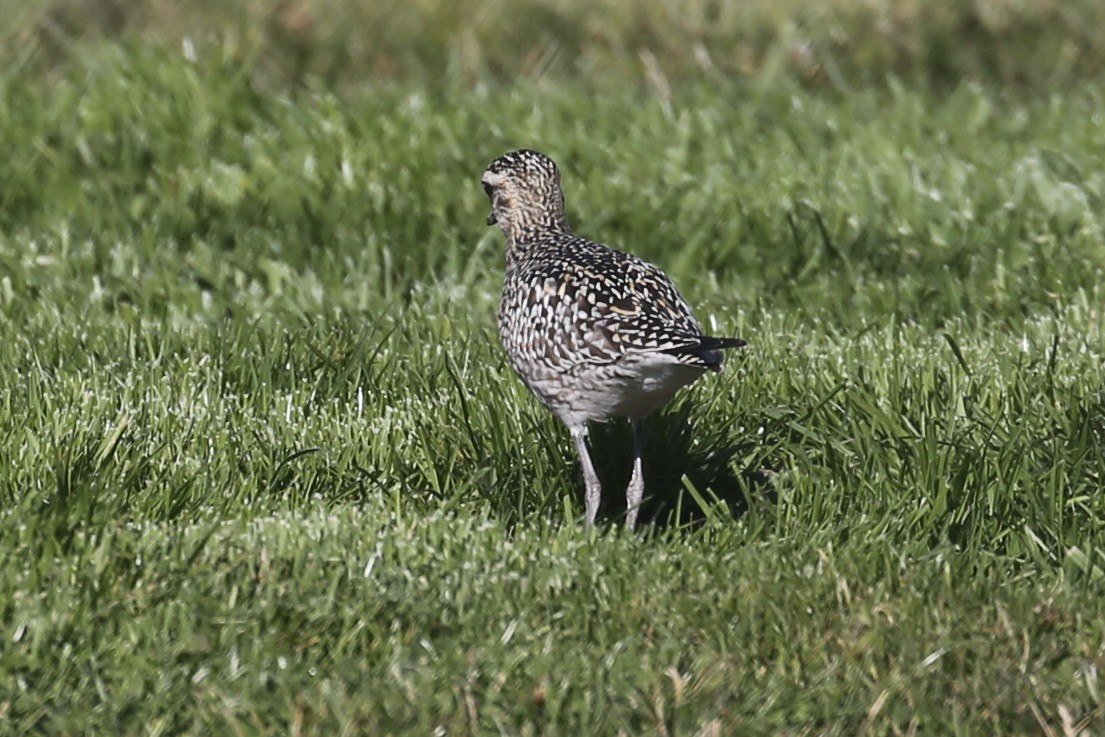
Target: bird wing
[582, 303]
[622, 306]
[646, 310]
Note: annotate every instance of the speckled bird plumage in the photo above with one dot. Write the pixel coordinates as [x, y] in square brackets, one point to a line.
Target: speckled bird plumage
[595, 333]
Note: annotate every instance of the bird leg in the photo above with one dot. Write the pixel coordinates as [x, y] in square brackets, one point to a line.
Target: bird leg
[590, 478]
[636, 491]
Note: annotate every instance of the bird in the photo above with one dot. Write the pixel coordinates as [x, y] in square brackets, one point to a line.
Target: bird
[595, 333]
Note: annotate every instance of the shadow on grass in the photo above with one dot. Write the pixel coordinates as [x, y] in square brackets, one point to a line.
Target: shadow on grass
[671, 454]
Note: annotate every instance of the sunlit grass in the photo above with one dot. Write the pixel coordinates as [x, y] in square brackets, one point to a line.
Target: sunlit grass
[264, 469]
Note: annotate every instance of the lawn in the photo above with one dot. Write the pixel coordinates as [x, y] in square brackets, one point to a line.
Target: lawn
[264, 468]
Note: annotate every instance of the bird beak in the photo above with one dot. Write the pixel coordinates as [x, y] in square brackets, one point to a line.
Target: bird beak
[491, 219]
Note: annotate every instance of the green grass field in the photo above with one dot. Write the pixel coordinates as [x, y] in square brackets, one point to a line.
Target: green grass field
[264, 469]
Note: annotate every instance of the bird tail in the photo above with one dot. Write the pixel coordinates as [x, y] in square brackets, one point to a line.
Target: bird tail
[714, 344]
[706, 351]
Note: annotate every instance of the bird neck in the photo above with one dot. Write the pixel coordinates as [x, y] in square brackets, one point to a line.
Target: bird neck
[522, 235]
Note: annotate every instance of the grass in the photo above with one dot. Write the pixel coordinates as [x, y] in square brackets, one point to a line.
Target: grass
[263, 468]
[833, 44]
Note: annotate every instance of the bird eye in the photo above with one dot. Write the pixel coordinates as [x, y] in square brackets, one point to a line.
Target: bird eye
[486, 188]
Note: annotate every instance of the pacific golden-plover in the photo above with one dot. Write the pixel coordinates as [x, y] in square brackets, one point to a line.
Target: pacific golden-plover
[593, 332]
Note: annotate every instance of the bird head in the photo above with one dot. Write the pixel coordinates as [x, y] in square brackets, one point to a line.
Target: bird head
[526, 200]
